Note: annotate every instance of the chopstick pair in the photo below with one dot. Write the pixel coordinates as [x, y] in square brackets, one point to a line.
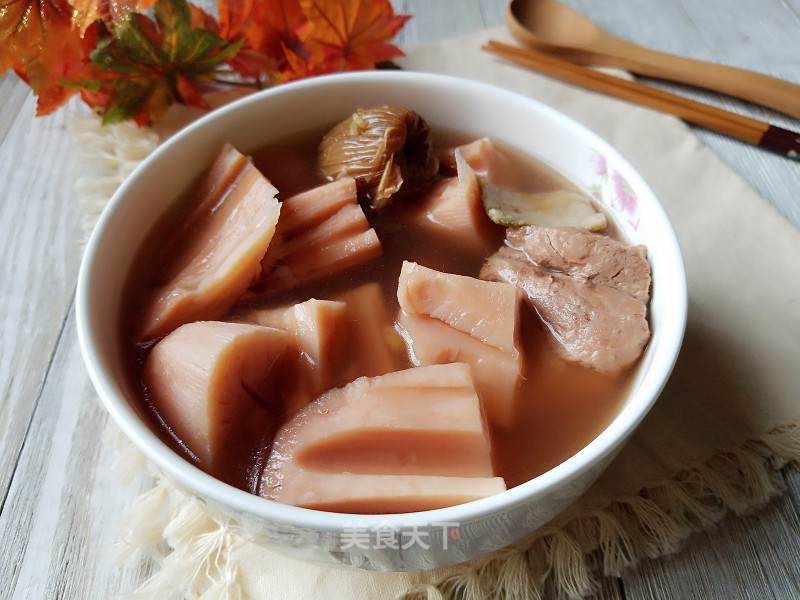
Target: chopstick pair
[761, 134]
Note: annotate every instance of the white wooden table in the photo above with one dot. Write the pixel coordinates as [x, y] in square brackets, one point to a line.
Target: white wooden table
[59, 500]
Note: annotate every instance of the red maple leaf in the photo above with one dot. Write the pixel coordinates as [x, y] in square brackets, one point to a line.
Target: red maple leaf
[111, 12]
[25, 26]
[346, 35]
[39, 41]
[66, 58]
[126, 65]
[234, 16]
[274, 33]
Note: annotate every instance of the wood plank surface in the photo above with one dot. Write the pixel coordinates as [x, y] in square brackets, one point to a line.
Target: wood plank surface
[39, 253]
[60, 499]
[61, 509]
[754, 556]
[760, 36]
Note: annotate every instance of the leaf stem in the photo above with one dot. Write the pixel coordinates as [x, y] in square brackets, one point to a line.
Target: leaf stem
[245, 84]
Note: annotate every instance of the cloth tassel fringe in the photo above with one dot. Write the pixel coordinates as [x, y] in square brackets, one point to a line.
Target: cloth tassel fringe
[190, 549]
[110, 153]
[564, 560]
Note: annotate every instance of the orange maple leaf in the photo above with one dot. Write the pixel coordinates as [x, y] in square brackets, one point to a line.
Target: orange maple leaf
[348, 35]
[65, 57]
[128, 66]
[24, 26]
[39, 42]
[275, 28]
[236, 25]
[234, 16]
[111, 12]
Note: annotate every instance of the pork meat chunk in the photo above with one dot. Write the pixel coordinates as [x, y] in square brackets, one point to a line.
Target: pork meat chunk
[590, 291]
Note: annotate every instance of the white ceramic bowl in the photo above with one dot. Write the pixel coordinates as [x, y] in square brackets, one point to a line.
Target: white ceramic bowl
[439, 537]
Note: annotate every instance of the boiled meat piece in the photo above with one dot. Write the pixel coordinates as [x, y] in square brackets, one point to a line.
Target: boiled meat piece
[593, 258]
[590, 291]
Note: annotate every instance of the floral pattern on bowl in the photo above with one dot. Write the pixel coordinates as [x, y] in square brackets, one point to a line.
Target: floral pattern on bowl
[613, 190]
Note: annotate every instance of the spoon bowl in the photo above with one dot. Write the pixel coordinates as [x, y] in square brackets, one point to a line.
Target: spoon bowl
[554, 28]
[558, 29]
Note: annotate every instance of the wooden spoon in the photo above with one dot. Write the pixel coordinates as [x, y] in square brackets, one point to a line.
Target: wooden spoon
[552, 27]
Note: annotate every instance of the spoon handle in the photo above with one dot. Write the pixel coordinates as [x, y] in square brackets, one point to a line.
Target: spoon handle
[746, 129]
[761, 89]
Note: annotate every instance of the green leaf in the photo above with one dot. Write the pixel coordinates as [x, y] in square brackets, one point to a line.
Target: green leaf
[145, 59]
[130, 101]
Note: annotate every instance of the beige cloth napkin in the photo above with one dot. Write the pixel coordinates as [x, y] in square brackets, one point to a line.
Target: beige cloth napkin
[726, 422]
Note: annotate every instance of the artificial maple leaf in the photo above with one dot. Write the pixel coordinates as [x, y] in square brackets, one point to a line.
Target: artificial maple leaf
[275, 26]
[348, 35]
[270, 34]
[298, 67]
[128, 66]
[111, 12]
[67, 60]
[149, 65]
[234, 16]
[38, 41]
[25, 26]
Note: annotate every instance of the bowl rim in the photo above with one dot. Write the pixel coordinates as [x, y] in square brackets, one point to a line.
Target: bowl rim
[200, 483]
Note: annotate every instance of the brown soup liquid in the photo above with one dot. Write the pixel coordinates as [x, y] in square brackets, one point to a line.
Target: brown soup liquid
[561, 406]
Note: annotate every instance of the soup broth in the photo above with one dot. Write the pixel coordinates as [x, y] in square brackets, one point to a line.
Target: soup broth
[560, 405]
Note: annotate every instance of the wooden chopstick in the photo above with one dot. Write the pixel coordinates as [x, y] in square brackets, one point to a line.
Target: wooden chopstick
[752, 131]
